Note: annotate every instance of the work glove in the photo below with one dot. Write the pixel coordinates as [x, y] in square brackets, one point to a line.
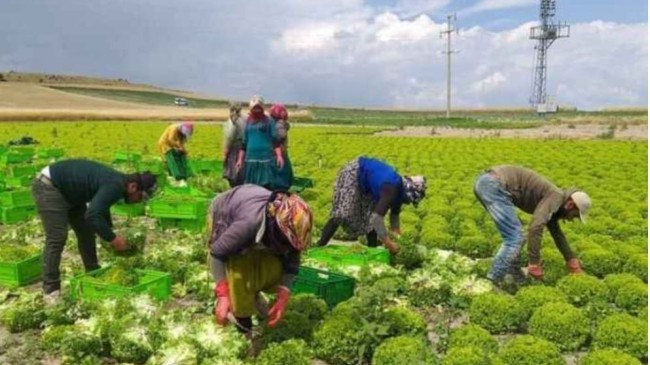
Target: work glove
[119, 243]
[536, 271]
[278, 157]
[574, 266]
[277, 310]
[390, 245]
[222, 305]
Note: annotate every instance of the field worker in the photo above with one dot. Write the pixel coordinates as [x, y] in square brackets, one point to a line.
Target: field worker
[261, 156]
[501, 189]
[172, 146]
[285, 174]
[255, 244]
[233, 131]
[62, 191]
[364, 191]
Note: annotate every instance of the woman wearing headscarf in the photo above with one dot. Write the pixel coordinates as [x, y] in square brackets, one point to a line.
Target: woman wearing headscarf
[285, 174]
[365, 190]
[172, 147]
[261, 156]
[255, 244]
[233, 131]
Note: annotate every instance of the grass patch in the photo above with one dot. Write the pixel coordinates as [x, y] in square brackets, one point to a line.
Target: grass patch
[143, 97]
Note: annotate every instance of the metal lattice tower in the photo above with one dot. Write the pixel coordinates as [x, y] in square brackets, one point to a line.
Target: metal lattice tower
[546, 33]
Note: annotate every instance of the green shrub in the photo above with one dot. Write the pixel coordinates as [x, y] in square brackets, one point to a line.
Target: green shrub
[600, 262]
[562, 324]
[615, 281]
[403, 350]
[581, 289]
[25, 313]
[475, 247]
[310, 305]
[52, 337]
[643, 313]
[293, 352]
[482, 267]
[638, 265]
[533, 297]
[473, 336]
[497, 313]
[598, 310]
[624, 332]
[632, 297]
[608, 357]
[338, 340]
[403, 321]
[554, 266]
[293, 325]
[529, 350]
[410, 255]
[470, 356]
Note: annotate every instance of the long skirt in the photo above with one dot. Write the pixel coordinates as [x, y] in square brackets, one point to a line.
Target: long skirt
[350, 206]
[230, 173]
[285, 174]
[178, 165]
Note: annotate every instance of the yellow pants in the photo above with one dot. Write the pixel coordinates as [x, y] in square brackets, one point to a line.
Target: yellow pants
[248, 274]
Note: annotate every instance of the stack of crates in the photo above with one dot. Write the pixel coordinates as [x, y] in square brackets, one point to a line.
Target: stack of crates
[180, 207]
[16, 205]
[46, 156]
[16, 201]
[126, 161]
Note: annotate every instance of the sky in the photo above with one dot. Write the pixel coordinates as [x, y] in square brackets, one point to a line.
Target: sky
[382, 53]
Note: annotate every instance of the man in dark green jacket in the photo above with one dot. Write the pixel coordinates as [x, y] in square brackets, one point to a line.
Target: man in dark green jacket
[79, 193]
[501, 189]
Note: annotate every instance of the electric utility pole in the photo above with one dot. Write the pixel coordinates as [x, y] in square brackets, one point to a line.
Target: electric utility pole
[450, 29]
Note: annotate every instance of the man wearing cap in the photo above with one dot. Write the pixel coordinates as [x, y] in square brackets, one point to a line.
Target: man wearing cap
[502, 188]
[256, 237]
[172, 147]
[79, 193]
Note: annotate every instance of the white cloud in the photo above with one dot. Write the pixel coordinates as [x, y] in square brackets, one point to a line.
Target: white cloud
[330, 52]
[488, 5]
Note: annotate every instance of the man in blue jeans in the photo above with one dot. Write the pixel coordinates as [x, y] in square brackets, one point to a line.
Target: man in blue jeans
[501, 189]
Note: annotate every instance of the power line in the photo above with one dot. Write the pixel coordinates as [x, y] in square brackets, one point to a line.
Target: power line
[450, 29]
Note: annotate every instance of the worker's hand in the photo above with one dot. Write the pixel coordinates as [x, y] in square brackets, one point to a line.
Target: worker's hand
[277, 310]
[238, 165]
[536, 271]
[119, 243]
[390, 245]
[279, 158]
[397, 232]
[574, 266]
[222, 305]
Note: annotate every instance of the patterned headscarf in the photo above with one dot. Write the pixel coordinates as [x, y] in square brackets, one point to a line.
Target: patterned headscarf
[279, 112]
[255, 101]
[187, 129]
[293, 217]
[415, 188]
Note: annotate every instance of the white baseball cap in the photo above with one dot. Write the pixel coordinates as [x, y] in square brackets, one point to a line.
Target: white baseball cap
[583, 202]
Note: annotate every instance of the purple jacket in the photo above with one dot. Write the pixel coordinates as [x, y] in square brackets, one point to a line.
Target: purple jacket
[239, 223]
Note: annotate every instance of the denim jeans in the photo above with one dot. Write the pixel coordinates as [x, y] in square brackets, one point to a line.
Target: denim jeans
[497, 201]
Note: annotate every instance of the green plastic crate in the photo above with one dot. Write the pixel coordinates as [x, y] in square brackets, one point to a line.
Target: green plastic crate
[331, 287]
[193, 225]
[183, 191]
[155, 283]
[16, 155]
[207, 166]
[192, 208]
[17, 198]
[346, 255]
[49, 153]
[11, 215]
[21, 170]
[15, 274]
[300, 184]
[18, 182]
[128, 210]
[126, 157]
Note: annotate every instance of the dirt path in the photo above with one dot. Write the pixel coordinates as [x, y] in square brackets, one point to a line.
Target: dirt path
[577, 131]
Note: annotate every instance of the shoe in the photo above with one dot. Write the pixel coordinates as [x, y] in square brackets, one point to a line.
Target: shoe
[53, 298]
